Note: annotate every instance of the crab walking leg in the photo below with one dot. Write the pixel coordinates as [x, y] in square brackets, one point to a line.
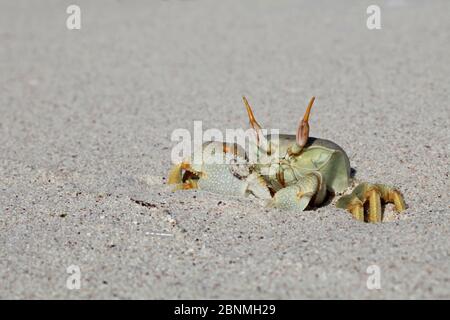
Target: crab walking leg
[392, 195]
[355, 201]
[356, 208]
[358, 212]
[218, 178]
[299, 195]
[398, 201]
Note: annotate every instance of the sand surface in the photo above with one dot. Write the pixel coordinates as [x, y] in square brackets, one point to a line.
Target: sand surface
[86, 119]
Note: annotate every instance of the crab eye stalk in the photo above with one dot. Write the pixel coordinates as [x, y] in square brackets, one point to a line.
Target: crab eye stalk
[303, 127]
[255, 125]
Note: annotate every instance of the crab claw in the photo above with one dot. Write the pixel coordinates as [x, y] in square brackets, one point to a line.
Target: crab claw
[299, 195]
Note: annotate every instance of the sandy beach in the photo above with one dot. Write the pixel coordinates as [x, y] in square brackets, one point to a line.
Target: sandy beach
[86, 118]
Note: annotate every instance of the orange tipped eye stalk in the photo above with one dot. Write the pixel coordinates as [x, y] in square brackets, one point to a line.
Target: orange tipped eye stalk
[303, 127]
[255, 125]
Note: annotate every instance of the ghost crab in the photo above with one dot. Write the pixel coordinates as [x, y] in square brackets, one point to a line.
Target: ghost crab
[299, 171]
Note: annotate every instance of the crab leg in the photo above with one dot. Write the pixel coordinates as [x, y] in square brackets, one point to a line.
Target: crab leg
[356, 208]
[392, 196]
[374, 205]
[373, 194]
